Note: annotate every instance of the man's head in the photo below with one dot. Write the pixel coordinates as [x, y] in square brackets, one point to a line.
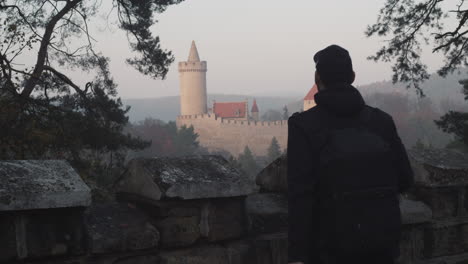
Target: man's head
[333, 65]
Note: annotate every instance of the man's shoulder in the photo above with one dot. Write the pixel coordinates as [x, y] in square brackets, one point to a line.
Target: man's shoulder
[308, 120]
[307, 115]
[380, 115]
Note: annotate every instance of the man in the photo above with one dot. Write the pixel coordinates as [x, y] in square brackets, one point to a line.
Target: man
[346, 167]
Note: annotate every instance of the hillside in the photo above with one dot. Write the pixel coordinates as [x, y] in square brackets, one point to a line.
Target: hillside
[167, 108]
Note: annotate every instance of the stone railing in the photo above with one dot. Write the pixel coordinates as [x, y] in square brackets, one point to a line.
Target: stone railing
[202, 210]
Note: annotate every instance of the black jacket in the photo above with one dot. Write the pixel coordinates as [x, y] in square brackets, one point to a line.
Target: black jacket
[305, 138]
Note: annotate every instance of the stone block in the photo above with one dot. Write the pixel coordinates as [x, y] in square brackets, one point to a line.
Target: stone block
[179, 231]
[445, 238]
[199, 255]
[271, 249]
[192, 177]
[223, 219]
[41, 184]
[441, 167]
[273, 178]
[443, 201]
[149, 259]
[414, 212]
[38, 234]
[116, 227]
[241, 252]
[267, 212]
[411, 244]
[8, 251]
[181, 223]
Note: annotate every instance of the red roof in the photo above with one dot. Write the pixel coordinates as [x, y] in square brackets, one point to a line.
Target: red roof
[311, 93]
[254, 107]
[230, 110]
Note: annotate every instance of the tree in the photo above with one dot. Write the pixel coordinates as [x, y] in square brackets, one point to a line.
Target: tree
[185, 141]
[274, 150]
[285, 113]
[272, 115]
[43, 112]
[247, 162]
[410, 25]
[165, 138]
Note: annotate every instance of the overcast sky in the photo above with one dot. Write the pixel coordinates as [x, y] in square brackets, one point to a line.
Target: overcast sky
[254, 47]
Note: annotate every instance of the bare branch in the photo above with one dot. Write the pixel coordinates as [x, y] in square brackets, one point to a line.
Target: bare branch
[31, 82]
[65, 79]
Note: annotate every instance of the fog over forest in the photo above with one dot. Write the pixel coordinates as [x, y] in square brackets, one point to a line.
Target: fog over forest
[414, 115]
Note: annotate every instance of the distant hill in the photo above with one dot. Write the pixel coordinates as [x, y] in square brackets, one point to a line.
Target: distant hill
[167, 108]
[436, 88]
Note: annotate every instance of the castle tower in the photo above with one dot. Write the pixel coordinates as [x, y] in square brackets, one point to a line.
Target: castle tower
[192, 76]
[254, 111]
[309, 100]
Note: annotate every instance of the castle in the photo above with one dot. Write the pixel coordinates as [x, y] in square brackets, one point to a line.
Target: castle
[226, 126]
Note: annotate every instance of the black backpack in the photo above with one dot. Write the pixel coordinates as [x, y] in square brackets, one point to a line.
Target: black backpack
[358, 188]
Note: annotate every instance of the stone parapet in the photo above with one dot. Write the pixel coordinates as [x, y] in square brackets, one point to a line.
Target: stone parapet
[40, 184]
[164, 215]
[187, 178]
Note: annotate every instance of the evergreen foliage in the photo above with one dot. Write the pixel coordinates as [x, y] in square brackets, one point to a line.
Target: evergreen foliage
[274, 150]
[247, 162]
[410, 24]
[43, 113]
[165, 138]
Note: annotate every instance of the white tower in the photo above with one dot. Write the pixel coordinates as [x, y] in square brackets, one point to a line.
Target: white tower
[192, 75]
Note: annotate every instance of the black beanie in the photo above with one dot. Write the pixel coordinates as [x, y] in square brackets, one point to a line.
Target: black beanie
[334, 65]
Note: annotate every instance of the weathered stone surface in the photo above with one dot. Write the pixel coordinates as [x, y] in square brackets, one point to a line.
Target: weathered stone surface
[179, 231]
[439, 167]
[446, 238]
[271, 249]
[50, 233]
[146, 257]
[241, 252]
[443, 201]
[150, 259]
[456, 259]
[183, 222]
[411, 244]
[192, 177]
[198, 255]
[414, 212]
[267, 212]
[117, 227]
[7, 238]
[223, 219]
[40, 184]
[273, 178]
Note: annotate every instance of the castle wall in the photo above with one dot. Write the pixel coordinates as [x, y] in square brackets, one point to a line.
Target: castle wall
[220, 134]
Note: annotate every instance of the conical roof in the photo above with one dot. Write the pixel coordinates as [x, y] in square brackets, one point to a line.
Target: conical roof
[193, 55]
[254, 107]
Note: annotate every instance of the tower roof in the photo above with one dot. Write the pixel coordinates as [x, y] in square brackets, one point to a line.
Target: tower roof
[310, 95]
[254, 107]
[230, 109]
[193, 55]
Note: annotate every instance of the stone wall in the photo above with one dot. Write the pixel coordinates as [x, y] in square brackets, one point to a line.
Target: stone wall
[168, 210]
[202, 210]
[434, 212]
[231, 135]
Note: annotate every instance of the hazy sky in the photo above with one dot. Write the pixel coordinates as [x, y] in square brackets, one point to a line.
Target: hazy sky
[262, 47]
